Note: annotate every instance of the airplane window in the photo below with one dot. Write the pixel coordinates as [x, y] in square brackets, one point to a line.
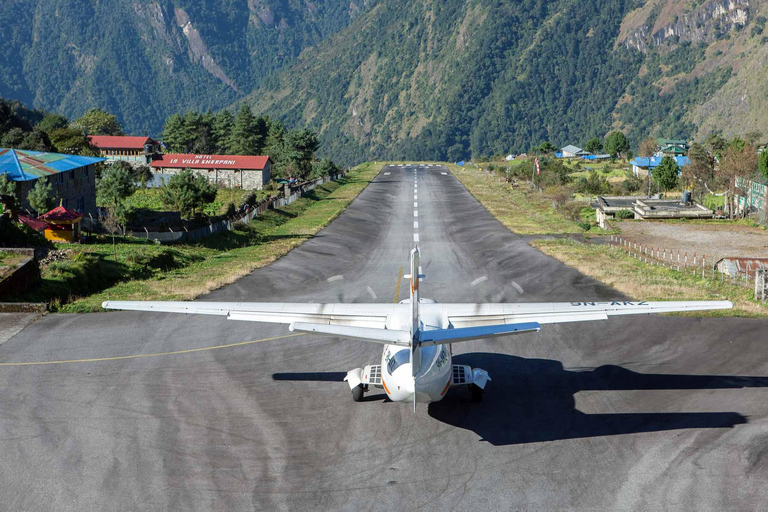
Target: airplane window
[401, 357]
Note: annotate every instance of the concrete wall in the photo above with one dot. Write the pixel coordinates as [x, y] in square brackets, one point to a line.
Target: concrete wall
[25, 275]
[78, 191]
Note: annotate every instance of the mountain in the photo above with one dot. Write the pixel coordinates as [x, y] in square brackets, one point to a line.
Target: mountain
[459, 78]
[447, 79]
[146, 59]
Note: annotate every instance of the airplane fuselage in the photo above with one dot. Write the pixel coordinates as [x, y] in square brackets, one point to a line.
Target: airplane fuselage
[430, 383]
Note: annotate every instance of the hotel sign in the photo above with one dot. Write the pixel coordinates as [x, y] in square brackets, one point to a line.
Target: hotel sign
[202, 160]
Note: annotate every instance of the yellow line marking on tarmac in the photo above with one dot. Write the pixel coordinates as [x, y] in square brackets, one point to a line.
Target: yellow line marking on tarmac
[156, 354]
[397, 288]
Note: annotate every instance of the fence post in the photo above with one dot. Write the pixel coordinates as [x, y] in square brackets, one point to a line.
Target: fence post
[678, 260]
[147, 231]
[685, 266]
[761, 284]
[703, 265]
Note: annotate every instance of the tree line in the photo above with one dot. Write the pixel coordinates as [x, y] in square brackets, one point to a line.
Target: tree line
[292, 151]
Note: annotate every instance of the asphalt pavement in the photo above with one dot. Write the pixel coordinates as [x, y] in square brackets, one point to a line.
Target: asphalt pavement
[633, 413]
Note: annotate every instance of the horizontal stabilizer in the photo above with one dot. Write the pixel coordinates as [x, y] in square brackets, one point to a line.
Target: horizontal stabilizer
[443, 336]
[391, 336]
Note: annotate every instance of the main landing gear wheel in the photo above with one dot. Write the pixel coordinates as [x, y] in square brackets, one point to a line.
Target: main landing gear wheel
[476, 392]
[357, 393]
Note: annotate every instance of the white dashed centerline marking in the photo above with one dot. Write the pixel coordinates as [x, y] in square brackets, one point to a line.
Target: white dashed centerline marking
[415, 205]
[415, 237]
[415, 213]
[415, 224]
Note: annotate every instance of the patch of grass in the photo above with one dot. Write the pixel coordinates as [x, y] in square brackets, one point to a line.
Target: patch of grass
[521, 209]
[11, 259]
[651, 282]
[146, 271]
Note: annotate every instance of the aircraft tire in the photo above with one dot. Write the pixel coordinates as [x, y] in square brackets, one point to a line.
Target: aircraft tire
[357, 393]
[476, 392]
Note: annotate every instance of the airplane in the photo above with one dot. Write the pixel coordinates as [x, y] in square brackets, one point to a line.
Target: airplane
[417, 333]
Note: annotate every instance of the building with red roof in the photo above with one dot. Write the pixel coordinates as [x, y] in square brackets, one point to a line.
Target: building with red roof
[134, 150]
[63, 224]
[240, 171]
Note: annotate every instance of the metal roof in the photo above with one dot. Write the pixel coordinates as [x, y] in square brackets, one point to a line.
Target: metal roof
[181, 161]
[654, 161]
[735, 265]
[24, 165]
[571, 149]
[119, 142]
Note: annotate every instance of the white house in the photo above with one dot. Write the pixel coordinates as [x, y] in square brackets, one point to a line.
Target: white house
[571, 151]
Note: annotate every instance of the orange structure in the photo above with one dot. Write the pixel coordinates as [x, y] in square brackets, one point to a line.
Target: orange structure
[64, 224]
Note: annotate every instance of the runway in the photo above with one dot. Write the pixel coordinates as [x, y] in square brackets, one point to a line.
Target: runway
[633, 413]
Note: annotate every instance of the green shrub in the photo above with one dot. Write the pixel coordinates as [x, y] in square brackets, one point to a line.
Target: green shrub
[571, 210]
[625, 214]
[586, 226]
[228, 210]
[248, 198]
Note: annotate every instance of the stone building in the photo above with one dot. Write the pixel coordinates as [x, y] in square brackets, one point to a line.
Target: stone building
[73, 177]
[230, 171]
[134, 150]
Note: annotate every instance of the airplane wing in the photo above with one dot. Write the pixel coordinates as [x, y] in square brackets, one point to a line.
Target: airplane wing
[476, 315]
[373, 316]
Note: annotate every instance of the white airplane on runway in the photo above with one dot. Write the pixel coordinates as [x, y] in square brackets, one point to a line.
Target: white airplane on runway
[417, 333]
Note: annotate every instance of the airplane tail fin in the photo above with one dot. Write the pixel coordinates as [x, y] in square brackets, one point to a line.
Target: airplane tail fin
[415, 277]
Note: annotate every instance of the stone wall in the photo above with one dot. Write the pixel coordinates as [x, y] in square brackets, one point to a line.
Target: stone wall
[73, 187]
[245, 179]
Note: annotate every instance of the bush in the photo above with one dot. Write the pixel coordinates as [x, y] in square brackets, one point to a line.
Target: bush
[586, 226]
[625, 214]
[228, 210]
[631, 184]
[571, 210]
[593, 184]
[248, 198]
[560, 194]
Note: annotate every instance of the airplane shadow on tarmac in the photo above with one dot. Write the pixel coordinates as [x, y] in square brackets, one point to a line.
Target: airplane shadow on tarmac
[532, 400]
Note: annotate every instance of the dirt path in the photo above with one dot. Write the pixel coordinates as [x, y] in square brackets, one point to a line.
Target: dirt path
[714, 240]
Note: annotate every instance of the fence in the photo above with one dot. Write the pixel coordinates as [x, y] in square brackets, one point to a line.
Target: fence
[288, 195]
[682, 261]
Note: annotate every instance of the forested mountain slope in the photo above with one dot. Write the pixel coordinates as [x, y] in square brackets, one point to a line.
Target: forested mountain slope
[146, 59]
[459, 78]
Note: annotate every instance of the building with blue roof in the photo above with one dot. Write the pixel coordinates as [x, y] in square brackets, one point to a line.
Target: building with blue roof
[73, 177]
[642, 165]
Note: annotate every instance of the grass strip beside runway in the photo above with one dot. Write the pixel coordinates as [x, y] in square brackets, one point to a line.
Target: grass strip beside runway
[217, 261]
[643, 281]
[522, 210]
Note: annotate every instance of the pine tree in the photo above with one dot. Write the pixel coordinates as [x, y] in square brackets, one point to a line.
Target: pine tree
[665, 174]
[7, 187]
[221, 130]
[616, 143]
[173, 133]
[40, 198]
[242, 140]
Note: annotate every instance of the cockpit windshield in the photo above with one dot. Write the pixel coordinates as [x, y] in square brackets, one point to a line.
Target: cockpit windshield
[400, 357]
